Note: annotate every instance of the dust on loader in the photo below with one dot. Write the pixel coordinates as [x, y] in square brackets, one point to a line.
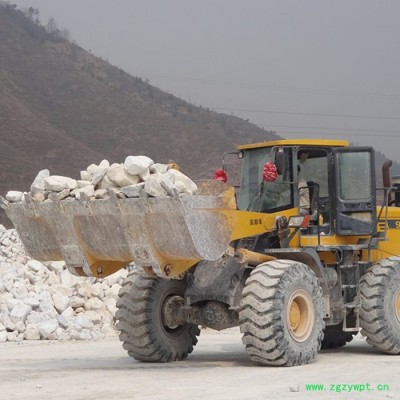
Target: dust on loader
[294, 282]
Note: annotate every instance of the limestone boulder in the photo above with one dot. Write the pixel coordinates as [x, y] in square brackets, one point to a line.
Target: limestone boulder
[158, 168]
[106, 183]
[32, 332]
[133, 190]
[84, 192]
[85, 176]
[19, 313]
[46, 328]
[35, 265]
[40, 197]
[137, 165]
[14, 196]
[61, 302]
[99, 172]
[153, 186]
[56, 183]
[38, 184]
[100, 193]
[119, 176]
[82, 183]
[58, 196]
[183, 182]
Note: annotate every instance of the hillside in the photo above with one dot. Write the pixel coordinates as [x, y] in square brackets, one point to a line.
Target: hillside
[62, 108]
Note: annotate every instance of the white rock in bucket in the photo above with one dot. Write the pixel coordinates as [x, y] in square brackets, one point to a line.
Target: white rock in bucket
[153, 186]
[106, 183]
[100, 193]
[99, 172]
[145, 175]
[169, 186]
[183, 183]
[85, 176]
[160, 168]
[39, 197]
[98, 181]
[38, 184]
[54, 196]
[91, 169]
[14, 196]
[117, 174]
[133, 190]
[84, 191]
[82, 183]
[137, 165]
[56, 183]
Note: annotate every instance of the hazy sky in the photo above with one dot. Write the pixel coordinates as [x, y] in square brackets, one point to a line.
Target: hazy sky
[304, 68]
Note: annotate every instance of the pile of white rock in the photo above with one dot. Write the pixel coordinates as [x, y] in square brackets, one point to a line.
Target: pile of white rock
[45, 301]
[138, 176]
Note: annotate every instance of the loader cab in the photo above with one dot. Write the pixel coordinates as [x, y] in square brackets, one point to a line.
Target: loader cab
[340, 181]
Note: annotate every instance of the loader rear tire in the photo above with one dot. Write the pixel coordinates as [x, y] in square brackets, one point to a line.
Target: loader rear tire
[281, 314]
[140, 320]
[380, 305]
[334, 337]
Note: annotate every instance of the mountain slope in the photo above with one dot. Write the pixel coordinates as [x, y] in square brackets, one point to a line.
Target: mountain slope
[63, 108]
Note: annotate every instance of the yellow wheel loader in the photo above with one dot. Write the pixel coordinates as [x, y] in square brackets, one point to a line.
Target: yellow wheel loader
[301, 256]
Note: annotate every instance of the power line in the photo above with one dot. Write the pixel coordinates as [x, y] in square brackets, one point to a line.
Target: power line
[308, 114]
[278, 88]
[322, 134]
[333, 129]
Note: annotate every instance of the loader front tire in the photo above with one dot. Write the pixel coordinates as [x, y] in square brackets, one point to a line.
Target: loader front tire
[281, 314]
[380, 305]
[140, 320]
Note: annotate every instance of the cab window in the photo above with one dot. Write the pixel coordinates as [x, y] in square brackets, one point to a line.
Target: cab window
[258, 195]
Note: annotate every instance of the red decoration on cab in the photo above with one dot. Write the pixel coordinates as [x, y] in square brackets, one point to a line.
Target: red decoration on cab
[270, 173]
[220, 175]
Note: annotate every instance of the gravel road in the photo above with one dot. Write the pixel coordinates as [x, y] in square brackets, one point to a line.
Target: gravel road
[217, 369]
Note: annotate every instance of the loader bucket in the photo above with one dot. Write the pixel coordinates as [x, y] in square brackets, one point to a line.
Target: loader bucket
[167, 235]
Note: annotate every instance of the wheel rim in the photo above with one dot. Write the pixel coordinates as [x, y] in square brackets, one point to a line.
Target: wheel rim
[397, 305]
[300, 315]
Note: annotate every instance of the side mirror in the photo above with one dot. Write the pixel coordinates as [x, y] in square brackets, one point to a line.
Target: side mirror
[280, 160]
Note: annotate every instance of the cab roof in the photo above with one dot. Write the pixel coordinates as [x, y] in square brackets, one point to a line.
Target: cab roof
[296, 142]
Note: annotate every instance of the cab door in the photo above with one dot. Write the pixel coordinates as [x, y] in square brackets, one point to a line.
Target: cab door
[355, 195]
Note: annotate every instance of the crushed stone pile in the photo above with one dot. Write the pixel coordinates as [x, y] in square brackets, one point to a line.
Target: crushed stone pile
[138, 176]
[45, 301]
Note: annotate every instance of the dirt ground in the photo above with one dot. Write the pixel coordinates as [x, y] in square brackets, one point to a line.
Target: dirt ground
[217, 369]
